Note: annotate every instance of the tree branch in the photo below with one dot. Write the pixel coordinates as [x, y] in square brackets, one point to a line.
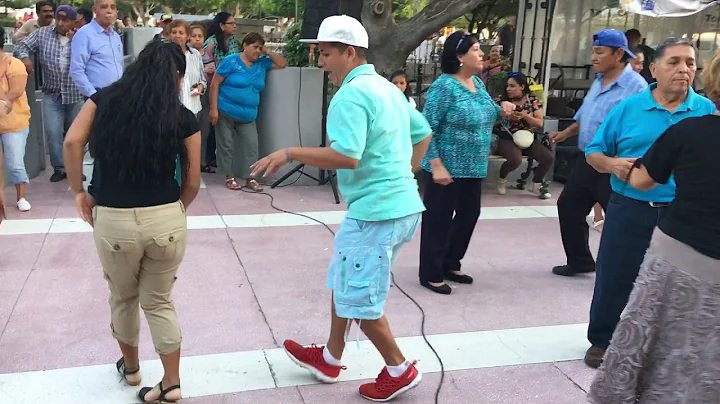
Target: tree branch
[436, 15]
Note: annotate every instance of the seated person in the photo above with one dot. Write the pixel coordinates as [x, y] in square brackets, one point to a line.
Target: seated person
[528, 116]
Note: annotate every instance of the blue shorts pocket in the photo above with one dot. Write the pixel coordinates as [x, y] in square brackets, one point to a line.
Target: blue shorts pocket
[356, 277]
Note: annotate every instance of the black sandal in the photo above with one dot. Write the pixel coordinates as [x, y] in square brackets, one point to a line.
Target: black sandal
[125, 372]
[161, 399]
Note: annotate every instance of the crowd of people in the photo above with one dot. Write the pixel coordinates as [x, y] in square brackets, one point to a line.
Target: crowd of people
[78, 56]
[651, 317]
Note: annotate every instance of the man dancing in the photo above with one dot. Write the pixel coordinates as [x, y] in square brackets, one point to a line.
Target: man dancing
[626, 134]
[376, 141]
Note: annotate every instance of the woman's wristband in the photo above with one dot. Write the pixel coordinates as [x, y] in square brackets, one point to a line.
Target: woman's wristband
[287, 155]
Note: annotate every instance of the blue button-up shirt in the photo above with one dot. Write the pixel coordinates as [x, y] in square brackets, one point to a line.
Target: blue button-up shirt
[633, 127]
[97, 58]
[45, 45]
[600, 101]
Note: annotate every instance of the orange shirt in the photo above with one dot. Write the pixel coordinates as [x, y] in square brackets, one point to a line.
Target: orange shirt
[19, 118]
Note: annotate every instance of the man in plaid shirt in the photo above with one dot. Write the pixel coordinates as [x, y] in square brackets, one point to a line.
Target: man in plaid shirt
[61, 101]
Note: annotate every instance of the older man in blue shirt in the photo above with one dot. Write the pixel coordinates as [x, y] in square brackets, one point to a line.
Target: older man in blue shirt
[627, 133]
[97, 51]
[615, 81]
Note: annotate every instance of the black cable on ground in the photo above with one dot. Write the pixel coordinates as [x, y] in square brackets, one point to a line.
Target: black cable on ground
[392, 277]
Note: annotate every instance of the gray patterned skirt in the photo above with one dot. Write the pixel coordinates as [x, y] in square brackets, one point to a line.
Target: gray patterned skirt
[666, 348]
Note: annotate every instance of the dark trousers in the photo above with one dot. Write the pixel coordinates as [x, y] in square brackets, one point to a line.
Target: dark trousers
[583, 190]
[210, 150]
[629, 225]
[444, 239]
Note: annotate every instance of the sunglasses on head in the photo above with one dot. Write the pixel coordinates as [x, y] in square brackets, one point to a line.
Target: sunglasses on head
[460, 42]
[513, 74]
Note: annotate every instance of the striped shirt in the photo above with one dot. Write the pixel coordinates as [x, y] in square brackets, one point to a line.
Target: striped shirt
[194, 75]
[54, 59]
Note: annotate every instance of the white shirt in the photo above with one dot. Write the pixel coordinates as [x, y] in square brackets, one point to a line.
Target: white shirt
[64, 52]
[194, 75]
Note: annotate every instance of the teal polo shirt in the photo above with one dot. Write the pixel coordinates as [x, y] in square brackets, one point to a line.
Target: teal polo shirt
[633, 126]
[370, 120]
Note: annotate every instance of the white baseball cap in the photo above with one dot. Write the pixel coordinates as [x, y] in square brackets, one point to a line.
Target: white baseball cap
[342, 29]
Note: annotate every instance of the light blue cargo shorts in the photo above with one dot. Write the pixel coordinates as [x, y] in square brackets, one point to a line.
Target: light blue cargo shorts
[359, 272]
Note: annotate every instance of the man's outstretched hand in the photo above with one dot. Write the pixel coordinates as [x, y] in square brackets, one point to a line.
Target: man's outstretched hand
[270, 164]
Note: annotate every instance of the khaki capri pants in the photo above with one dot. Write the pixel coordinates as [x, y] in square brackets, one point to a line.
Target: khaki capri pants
[140, 250]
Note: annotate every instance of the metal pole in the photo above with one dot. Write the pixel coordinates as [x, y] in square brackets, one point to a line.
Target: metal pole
[296, 10]
[415, 7]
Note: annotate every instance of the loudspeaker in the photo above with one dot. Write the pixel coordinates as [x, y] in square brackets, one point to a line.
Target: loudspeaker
[318, 10]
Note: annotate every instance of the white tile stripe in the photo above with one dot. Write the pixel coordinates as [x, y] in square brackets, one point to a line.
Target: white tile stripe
[75, 225]
[254, 370]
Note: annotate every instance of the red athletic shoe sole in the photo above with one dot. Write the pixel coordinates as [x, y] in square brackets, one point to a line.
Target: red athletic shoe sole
[315, 372]
[405, 389]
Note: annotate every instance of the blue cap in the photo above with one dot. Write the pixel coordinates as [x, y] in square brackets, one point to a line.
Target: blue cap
[614, 39]
[66, 11]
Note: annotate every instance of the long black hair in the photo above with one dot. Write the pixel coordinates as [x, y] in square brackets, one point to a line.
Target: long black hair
[216, 29]
[521, 80]
[136, 127]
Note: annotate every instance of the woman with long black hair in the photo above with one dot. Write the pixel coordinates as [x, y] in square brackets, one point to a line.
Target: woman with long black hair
[528, 116]
[137, 208]
[221, 41]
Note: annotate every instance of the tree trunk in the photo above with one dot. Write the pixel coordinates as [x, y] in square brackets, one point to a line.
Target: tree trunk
[391, 43]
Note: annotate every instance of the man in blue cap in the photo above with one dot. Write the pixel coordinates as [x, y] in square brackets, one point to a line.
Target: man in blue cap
[585, 187]
[61, 99]
[632, 215]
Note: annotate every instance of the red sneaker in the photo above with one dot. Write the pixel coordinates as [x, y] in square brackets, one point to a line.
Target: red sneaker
[312, 360]
[386, 387]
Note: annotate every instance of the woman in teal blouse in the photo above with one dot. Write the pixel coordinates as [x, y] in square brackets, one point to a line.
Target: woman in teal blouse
[461, 114]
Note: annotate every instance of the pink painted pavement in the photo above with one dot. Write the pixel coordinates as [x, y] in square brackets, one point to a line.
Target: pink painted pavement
[242, 289]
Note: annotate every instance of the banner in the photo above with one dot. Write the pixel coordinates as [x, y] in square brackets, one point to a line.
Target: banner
[666, 8]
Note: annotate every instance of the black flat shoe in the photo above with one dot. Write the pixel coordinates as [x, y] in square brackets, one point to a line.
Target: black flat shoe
[464, 279]
[58, 176]
[161, 398]
[443, 290]
[125, 372]
[567, 270]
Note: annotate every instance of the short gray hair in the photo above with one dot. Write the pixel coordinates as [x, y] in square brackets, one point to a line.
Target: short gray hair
[670, 43]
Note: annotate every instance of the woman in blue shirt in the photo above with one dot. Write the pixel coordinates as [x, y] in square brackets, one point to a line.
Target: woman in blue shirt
[461, 114]
[234, 101]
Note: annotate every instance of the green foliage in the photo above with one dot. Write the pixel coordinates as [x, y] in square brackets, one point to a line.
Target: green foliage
[8, 22]
[496, 83]
[297, 52]
[403, 9]
[489, 14]
[19, 4]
